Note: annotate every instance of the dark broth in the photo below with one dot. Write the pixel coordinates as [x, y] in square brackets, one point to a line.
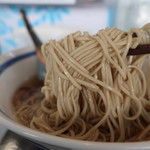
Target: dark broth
[26, 90]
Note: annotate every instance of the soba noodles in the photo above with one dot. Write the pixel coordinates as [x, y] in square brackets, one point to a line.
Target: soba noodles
[93, 90]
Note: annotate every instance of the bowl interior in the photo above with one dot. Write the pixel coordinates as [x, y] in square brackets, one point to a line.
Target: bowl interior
[14, 70]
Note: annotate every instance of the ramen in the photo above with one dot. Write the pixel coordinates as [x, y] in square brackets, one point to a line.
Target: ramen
[92, 89]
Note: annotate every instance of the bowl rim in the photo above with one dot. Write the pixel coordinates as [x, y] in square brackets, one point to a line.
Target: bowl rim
[66, 142]
[60, 141]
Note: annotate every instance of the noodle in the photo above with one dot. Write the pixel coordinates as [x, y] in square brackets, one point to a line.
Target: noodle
[93, 90]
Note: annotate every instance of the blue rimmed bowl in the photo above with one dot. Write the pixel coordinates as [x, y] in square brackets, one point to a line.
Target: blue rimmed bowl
[18, 66]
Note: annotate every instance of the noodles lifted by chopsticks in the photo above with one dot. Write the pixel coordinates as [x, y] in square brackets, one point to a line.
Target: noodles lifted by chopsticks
[93, 90]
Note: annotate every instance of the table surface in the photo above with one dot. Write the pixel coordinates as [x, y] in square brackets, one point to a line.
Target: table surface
[11, 141]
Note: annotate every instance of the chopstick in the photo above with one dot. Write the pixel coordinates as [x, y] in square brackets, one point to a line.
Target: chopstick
[140, 50]
[37, 42]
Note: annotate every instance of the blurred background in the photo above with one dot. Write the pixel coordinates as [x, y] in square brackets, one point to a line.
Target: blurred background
[56, 18]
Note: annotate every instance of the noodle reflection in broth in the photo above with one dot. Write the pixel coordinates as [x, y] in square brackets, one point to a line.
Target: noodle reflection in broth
[93, 90]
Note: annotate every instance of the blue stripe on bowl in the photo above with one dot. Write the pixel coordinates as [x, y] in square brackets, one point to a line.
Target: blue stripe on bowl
[6, 65]
[12, 61]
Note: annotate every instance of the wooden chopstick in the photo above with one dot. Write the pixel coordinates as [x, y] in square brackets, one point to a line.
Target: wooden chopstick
[140, 50]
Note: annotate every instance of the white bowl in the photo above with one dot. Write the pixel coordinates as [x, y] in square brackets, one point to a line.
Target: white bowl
[18, 66]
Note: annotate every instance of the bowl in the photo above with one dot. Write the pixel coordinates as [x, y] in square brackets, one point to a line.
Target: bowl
[16, 67]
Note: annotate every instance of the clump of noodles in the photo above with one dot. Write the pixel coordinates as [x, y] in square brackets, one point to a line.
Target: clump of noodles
[93, 90]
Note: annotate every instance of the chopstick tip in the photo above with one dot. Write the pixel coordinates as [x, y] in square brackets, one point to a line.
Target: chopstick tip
[22, 11]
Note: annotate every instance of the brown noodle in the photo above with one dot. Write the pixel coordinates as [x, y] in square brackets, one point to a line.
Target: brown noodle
[93, 90]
